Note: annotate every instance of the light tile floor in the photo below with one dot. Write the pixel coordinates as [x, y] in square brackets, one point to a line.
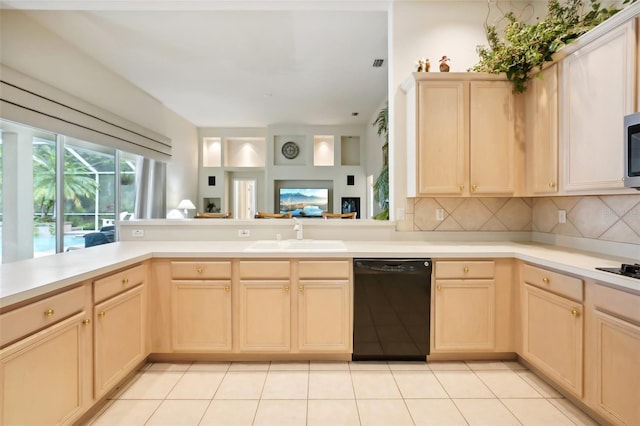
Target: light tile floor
[338, 393]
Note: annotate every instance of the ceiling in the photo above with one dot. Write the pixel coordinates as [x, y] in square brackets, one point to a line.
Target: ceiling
[236, 64]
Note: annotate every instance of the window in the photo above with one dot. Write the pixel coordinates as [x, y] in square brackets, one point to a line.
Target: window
[93, 198]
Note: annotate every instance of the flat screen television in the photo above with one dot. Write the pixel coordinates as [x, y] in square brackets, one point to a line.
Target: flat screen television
[304, 202]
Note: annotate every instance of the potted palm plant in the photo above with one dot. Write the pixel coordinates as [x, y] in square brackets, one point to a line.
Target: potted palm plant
[381, 185]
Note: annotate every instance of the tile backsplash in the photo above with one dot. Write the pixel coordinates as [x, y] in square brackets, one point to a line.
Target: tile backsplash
[471, 214]
[607, 217]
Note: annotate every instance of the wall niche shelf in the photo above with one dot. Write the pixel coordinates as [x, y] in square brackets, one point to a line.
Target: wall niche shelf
[323, 149]
[350, 150]
[211, 152]
[244, 152]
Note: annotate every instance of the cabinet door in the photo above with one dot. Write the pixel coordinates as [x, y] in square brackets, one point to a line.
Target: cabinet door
[44, 377]
[201, 315]
[598, 90]
[552, 336]
[492, 141]
[442, 137]
[617, 374]
[324, 316]
[120, 336]
[264, 316]
[464, 315]
[542, 132]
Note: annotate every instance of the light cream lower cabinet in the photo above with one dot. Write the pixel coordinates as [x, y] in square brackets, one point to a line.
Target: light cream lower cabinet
[264, 306]
[46, 377]
[316, 303]
[612, 358]
[552, 325]
[201, 306]
[464, 317]
[324, 306]
[120, 326]
[471, 306]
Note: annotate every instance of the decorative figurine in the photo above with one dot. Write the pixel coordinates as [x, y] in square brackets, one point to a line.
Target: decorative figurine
[420, 65]
[444, 67]
[427, 65]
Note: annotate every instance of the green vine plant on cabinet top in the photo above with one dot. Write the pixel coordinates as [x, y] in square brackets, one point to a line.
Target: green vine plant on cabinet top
[528, 46]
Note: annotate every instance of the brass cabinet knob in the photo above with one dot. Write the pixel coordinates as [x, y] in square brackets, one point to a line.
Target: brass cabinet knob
[546, 280]
[575, 313]
[474, 187]
[125, 281]
[226, 288]
[199, 270]
[102, 314]
[286, 288]
[438, 287]
[49, 312]
[461, 187]
[552, 184]
[301, 288]
[465, 269]
[86, 322]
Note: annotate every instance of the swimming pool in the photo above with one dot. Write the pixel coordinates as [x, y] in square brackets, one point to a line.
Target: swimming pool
[44, 244]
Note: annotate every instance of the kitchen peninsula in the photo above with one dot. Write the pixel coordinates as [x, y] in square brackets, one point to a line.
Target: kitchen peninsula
[105, 310]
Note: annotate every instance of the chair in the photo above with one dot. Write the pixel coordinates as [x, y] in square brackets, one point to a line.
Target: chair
[327, 215]
[106, 235]
[264, 215]
[200, 215]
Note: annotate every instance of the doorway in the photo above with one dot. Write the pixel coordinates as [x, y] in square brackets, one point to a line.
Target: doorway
[244, 198]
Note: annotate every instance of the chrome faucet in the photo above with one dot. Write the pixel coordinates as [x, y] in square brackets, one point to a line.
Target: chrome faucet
[298, 228]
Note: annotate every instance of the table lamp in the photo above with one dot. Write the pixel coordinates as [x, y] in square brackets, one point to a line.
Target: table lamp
[186, 205]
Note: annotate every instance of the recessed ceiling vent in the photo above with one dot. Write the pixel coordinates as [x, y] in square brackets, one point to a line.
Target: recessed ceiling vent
[377, 63]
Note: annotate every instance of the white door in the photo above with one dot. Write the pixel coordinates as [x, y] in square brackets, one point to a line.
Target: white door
[244, 198]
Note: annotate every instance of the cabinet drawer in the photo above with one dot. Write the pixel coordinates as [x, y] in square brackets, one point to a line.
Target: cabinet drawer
[465, 269]
[194, 270]
[264, 269]
[28, 319]
[118, 282]
[557, 283]
[324, 269]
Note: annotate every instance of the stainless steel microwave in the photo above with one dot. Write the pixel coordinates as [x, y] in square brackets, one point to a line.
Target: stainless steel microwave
[632, 151]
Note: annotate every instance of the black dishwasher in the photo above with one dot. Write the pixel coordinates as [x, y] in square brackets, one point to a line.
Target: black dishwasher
[391, 309]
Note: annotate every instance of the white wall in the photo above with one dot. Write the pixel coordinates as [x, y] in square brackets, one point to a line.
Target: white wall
[28, 47]
[431, 30]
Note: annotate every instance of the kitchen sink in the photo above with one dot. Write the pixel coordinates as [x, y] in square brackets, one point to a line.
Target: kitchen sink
[296, 245]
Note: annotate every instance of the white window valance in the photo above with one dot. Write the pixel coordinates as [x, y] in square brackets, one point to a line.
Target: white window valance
[31, 102]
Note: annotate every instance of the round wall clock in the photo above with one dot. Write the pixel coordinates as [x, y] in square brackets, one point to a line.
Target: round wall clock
[290, 150]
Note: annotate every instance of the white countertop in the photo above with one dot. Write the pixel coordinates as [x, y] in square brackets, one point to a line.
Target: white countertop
[20, 281]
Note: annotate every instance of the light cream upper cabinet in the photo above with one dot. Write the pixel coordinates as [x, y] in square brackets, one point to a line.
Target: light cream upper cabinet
[441, 145]
[598, 86]
[612, 358]
[461, 135]
[120, 326]
[45, 363]
[201, 306]
[492, 141]
[324, 306]
[552, 325]
[541, 127]
[264, 306]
